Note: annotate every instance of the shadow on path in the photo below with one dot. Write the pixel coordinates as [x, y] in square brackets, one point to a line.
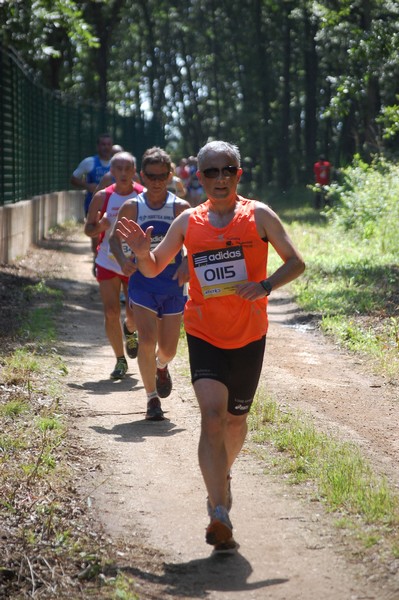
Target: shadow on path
[108, 386]
[138, 431]
[196, 578]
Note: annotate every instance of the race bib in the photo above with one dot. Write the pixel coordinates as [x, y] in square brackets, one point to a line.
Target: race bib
[127, 251]
[220, 271]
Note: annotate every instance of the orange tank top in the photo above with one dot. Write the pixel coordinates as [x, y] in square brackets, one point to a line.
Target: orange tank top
[219, 259]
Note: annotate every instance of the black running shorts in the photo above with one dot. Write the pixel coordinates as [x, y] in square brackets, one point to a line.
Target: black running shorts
[238, 369]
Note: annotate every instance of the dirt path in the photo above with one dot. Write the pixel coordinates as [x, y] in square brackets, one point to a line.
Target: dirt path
[145, 482]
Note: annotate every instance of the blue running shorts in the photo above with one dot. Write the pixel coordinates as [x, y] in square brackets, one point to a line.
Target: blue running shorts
[161, 304]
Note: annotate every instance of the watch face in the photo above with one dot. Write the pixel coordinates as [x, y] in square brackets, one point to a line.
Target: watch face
[266, 286]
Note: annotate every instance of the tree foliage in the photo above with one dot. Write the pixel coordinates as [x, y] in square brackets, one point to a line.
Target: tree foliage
[48, 34]
[285, 80]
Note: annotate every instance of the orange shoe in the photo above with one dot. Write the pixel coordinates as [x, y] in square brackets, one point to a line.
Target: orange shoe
[229, 547]
[220, 529]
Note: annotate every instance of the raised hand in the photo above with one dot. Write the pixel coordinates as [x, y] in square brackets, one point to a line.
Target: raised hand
[138, 240]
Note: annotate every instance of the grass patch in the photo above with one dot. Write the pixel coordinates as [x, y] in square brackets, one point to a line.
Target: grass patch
[19, 366]
[64, 230]
[123, 587]
[13, 408]
[336, 472]
[40, 325]
[351, 280]
[49, 547]
[379, 341]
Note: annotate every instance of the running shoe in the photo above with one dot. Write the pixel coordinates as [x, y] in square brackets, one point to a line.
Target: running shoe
[154, 410]
[220, 529]
[229, 547]
[163, 382]
[229, 499]
[120, 369]
[132, 342]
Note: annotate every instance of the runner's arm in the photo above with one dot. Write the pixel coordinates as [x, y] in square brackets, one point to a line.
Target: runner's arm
[150, 263]
[78, 177]
[128, 210]
[95, 223]
[269, 226]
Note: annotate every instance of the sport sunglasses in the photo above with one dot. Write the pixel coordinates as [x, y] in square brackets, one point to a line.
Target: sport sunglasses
[213, 172]
[157, 177]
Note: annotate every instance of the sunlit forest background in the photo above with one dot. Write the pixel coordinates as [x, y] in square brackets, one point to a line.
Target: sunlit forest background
[286, 80]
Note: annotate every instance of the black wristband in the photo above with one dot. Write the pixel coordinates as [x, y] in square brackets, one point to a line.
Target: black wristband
[267, 286]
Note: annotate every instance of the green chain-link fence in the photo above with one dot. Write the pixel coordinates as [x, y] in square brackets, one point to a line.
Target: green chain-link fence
[44, 135]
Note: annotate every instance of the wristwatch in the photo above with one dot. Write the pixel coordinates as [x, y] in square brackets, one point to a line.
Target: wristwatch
[267, 286]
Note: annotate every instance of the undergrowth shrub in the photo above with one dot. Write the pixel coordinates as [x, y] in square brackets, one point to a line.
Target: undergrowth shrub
[366, 202]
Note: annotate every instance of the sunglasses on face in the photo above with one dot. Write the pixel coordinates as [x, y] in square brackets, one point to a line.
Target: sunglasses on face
[213, 172]
[156, 176]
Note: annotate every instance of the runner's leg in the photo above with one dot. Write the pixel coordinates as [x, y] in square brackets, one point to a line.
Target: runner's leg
[212, 452]
[147, 328]
[168, 337]
[130, 322]
[236, 431]
[110, 290]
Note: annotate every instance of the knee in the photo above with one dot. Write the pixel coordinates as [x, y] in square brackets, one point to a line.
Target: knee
[166, 355]
[236, 425]
[147, 341]
[112, 312]
[213, 423]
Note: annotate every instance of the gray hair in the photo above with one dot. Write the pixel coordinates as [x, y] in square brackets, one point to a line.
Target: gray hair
[218, 146]
[123, 156]
[155, 156]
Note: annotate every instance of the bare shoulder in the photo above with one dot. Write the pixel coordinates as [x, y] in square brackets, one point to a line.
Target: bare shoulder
[264, 208]
[185, 213]
[98, 198]
[129, 209]
[268, 223]
[107, 179]
[181, 205]
[180, 224]
[265, 214]
[96, 205]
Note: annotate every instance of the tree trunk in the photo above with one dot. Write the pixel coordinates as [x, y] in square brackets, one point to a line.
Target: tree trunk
[283, 160]
[311, 78]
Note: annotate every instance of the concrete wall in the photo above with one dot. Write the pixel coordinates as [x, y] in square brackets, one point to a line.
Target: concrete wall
[25, 223]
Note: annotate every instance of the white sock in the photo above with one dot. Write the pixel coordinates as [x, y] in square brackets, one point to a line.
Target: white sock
[161, 365]
[151, 395]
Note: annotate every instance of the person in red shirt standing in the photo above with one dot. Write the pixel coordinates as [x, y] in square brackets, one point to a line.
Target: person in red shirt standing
[322, 175]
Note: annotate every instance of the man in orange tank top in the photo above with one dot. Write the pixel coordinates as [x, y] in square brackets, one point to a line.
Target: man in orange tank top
[225, 317]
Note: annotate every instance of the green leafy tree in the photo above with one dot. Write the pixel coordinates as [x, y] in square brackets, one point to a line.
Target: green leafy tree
[47, 34]
[286, 80]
